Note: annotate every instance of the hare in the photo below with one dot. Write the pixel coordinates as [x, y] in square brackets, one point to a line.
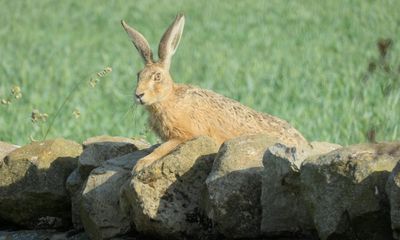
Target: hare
[180, 112]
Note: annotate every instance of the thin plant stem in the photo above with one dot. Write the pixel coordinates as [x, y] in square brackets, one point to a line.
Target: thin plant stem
[75, 87]
[42, 129]
[93, 82]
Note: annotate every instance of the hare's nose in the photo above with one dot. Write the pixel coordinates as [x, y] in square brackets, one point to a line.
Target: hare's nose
[139, 95]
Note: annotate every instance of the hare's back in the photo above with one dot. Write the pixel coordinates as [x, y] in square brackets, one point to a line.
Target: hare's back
[228, 118]
[222, 112]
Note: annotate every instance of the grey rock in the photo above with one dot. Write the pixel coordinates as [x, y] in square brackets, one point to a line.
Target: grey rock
[283, 207]
[41, 235]
[165, 198]
[6, 148]
[96, 151]
[393, 192]
[74, 185]
[100, 211]
[319, 148]
[32, 183]
[345, 191]
[234, 186]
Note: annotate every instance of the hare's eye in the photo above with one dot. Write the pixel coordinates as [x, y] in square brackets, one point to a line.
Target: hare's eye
[157, 77]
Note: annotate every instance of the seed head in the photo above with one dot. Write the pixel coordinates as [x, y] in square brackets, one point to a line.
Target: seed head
[37, 116]
[104, 72]
[93, 82]
[76, 113]
[5, 101]
[16, 92]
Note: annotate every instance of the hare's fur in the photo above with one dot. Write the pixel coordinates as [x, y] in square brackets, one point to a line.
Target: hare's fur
[192, 111]
[180, 112]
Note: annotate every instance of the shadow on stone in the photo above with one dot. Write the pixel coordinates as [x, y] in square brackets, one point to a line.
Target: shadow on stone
[99, 205]
[180, 213]
[39, 199]
[166, 199]
[235, 203]
[358, 220]
[345, 191]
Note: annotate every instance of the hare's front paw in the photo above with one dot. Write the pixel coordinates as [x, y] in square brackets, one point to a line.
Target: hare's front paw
[142, 163]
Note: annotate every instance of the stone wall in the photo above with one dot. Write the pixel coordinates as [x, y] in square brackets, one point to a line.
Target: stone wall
[249, 188]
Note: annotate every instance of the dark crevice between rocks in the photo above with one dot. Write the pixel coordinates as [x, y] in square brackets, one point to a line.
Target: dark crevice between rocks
[375, 225]
[8, 226]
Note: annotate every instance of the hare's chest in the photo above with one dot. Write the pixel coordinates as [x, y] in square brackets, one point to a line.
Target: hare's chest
[175, 123]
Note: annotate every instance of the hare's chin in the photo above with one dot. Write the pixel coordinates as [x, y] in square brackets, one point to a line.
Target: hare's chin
[140, 101]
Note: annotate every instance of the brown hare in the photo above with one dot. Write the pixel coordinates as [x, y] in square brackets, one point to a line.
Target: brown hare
[180, 112]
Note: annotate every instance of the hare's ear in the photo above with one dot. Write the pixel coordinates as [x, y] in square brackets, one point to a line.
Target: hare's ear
[140, 43]
[170, 40]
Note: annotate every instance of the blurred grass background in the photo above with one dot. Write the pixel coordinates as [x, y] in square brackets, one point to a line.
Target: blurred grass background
[313, 63]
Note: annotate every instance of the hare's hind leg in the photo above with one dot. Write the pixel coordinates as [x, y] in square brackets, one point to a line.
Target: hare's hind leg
[158, 153]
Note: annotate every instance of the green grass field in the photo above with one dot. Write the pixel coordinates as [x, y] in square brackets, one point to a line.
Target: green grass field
[304, 61]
